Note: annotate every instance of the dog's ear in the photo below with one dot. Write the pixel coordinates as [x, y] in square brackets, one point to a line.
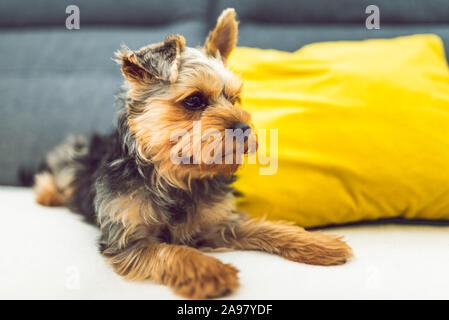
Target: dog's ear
[222, 40]
[154, 62]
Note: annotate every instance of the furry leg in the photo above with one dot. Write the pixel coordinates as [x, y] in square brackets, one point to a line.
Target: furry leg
[189, 272]
[282, 238]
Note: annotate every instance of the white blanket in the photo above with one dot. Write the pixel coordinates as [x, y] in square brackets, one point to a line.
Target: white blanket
[51, 253]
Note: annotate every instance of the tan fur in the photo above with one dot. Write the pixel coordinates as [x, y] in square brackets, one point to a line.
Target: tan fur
[211, 227]
[206, 218]
[291, 242]
[126, 212]
[158, 118]
[194, 275]
[138, 68]
[222, 40]
[186, 270]
[225, 228]
[139, 237]
[46, 191]
[53, 187]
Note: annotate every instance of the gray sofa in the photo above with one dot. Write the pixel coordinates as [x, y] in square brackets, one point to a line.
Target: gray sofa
[55, 81]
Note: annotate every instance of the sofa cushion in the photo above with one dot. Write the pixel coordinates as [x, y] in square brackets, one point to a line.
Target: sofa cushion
[363, 131]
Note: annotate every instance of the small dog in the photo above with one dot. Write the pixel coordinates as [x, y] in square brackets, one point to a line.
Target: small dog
[154, 215]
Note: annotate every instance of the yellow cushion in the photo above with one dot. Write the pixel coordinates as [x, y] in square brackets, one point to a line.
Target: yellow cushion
[363, 130]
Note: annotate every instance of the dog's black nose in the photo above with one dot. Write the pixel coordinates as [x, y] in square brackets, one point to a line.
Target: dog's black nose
[241, 125]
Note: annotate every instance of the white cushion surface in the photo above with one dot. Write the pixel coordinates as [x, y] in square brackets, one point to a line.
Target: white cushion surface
[50, 253]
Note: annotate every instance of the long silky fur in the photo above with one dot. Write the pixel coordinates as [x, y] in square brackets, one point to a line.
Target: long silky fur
[111, 167]
[155, 215]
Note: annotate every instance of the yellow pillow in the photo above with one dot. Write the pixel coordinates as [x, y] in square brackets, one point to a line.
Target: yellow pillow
[363, 130]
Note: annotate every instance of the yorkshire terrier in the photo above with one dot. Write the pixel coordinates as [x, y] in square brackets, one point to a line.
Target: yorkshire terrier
[156, 216]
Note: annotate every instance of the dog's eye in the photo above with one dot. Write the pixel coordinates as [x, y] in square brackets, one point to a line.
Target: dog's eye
[195, 101]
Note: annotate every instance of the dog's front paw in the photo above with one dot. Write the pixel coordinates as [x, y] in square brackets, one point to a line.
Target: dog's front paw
[207, 278]
[318, 249]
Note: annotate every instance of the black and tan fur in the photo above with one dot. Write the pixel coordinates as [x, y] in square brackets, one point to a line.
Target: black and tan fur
[156, 216]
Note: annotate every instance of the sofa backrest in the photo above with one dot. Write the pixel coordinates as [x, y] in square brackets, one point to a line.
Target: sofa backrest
[31, 13]
[337, 11]
[55, 81]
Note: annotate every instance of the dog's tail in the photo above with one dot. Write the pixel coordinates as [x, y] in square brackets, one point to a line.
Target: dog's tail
[44, 185]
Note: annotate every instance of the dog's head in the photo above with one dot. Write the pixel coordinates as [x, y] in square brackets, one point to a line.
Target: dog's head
[183, 103]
